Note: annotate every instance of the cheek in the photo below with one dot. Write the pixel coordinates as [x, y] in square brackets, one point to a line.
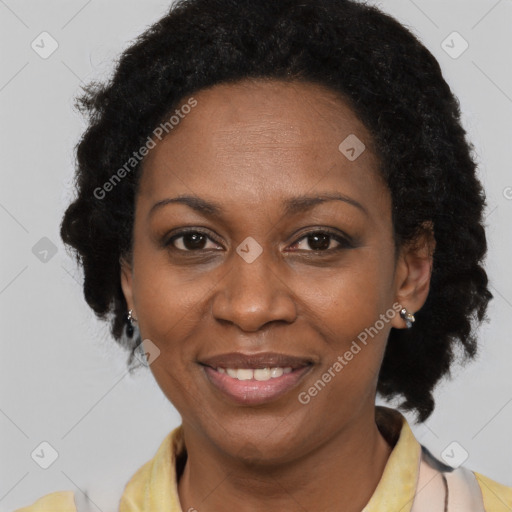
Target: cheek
[352, 312]
[169, 311]
[166, 297]
[351, 297]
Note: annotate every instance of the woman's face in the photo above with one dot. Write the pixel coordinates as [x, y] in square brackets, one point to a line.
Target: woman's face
[247, 279]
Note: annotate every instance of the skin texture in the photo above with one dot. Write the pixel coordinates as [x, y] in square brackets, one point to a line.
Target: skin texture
[249, 146]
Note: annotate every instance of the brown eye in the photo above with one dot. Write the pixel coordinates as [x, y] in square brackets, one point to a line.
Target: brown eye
[320, 241]
[189, 241]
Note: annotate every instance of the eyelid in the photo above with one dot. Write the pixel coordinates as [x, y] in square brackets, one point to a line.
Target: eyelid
[345, 241]
[182, 232]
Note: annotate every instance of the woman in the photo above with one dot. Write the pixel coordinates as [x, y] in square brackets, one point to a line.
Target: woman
[277, 206]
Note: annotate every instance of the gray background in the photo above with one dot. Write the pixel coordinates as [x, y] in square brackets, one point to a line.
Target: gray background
[64, 381]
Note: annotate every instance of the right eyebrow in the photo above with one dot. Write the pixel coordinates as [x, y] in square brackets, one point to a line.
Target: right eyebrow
[207, 208]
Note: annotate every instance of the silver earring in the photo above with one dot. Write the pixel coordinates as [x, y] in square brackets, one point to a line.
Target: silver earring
[408, 317]
[131, 318]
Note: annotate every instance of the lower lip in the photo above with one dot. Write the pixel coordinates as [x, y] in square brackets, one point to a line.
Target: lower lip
[255, 392]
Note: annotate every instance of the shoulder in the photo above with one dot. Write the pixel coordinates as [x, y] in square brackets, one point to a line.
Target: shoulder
[134, 494]
[465, 489]
[62, 501]
[155, 483]
[497, 497]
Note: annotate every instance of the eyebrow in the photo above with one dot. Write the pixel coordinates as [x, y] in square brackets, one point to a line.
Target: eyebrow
[292, 205]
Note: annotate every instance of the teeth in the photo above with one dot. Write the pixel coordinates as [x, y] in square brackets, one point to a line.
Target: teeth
[244, 374]
[276, 372]
[260, 374]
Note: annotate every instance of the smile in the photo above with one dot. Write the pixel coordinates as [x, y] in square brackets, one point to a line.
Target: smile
[260, 374]
[246, 386]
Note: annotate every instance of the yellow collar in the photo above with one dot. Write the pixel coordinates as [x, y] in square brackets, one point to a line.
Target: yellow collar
[397, 486]
[149, 488]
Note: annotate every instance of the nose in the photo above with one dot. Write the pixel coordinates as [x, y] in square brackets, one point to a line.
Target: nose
[253, 294]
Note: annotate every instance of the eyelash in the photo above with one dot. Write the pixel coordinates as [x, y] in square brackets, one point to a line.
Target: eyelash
[344, 242]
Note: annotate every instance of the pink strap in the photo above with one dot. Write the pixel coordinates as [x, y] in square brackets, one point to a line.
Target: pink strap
[464, 494]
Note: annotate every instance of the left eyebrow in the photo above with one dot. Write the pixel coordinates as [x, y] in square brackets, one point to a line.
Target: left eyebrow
[292, 205]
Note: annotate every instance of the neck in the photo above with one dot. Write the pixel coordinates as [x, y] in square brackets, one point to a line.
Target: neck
[341, 474]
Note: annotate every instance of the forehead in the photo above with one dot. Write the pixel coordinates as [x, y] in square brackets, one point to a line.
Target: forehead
[258, 141]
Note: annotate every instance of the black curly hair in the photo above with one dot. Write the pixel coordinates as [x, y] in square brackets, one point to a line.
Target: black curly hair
[393, 84]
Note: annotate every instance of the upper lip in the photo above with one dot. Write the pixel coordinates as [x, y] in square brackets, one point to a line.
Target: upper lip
[259, 360]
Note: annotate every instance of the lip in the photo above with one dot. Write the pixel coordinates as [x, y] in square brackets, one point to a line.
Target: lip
[254, 392]
[255, 361]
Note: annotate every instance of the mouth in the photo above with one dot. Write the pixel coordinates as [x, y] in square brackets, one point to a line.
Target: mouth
[254, 379]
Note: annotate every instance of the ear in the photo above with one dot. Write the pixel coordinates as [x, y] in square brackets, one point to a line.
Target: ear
[413, 273]
[126, 283]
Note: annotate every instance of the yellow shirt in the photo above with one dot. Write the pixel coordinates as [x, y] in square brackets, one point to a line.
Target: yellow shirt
[148, 489]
